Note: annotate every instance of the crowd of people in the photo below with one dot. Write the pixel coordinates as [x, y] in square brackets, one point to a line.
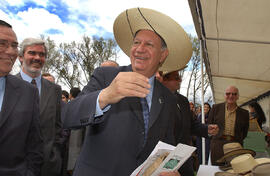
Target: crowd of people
[112, 125]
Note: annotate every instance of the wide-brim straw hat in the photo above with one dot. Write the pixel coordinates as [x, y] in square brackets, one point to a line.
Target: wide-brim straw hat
[178, 43]
[170, 71]
[232, 150]
[246, 164]
[262, 169]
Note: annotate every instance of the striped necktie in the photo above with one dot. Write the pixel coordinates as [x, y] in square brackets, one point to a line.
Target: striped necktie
[146, 116]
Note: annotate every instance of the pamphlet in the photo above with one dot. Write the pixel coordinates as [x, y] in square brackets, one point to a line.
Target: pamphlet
[164, 158]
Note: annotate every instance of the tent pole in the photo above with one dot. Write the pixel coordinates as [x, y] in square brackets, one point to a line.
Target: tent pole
[202, 102]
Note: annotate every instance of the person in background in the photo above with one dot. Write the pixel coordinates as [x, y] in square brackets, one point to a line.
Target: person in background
[193, 138]
[256, 112]
[190, 125]
[21, 143]
[192, 108]
[207, 109]
[76, 138]
[65, 133]
[65, 96]
[74, 92]
[198, 110]
[232, 121]
[32, 55]
[109, 63]
[127, 110]
[49, 77]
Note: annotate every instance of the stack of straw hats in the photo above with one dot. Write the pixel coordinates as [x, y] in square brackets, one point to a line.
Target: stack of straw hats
[247, 165]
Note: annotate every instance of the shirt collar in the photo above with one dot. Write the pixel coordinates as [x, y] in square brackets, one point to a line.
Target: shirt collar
[2, 90]
[226, 108]
[2, 83]
[29, 79]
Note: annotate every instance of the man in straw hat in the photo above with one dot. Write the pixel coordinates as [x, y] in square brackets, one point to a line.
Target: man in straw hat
[232, 120]
[128, 111]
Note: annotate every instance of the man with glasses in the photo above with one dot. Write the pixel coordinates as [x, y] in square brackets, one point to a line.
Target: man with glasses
[32, 55]
[21, 142]
[233, 123]
[190, 124]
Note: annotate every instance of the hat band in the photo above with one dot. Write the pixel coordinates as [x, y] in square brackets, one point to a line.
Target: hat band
[147, 21]
[132, 33]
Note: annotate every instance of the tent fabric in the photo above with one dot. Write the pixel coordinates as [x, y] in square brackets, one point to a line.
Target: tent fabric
[236, 45]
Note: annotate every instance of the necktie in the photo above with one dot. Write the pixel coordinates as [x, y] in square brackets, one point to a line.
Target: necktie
[34, 82]
[145, 116]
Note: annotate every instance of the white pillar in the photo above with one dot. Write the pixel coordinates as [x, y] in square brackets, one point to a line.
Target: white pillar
[202, 102]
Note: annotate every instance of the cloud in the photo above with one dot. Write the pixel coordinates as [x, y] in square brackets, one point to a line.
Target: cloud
[5, 3]
[37, 21]
[69, 20]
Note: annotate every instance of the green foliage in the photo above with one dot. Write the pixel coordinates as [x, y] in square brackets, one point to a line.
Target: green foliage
[73, 63]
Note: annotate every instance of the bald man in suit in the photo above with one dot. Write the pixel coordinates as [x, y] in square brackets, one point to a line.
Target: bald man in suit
[232, 120]
[20, 140]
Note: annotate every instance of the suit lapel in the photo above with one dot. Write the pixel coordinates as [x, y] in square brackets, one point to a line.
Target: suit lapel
[134, 102]
[136, 107]
[157, 103]
[44, 95]
[223, 119]
[237, 119]
[11, 96]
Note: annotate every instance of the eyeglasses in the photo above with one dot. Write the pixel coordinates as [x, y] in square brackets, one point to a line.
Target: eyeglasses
[4, 44]
[173, 78]
[231, 93]
[33, 53]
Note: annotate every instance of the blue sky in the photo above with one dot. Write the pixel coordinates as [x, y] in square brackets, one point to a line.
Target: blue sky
[68, 20]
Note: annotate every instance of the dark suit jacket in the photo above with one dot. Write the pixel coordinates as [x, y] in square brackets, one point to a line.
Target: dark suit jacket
[189, 126]
[20, 136]
[113, 145]
[217, 116]
[50, 120]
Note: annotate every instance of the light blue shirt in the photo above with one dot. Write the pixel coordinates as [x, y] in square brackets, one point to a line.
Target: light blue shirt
[29, 79]
[2, 90]
[149, 96]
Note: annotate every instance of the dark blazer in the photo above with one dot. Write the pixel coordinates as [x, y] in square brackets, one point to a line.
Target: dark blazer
[50, 120]
[20, 136]
[217, 116]
[113, 144]
[189, 126]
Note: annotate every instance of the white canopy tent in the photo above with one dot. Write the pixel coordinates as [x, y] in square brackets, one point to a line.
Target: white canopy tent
[235, 44]
[235, 38]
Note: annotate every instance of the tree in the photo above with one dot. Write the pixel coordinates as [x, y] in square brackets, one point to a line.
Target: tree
[74, 62]
[52, 55]
[92, 54]
[194, 83]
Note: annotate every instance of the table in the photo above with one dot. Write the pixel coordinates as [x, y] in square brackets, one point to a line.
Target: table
[207, 170]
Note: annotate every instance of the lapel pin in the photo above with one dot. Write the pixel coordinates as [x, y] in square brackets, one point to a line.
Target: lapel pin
[178, 106]
[160, 100]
